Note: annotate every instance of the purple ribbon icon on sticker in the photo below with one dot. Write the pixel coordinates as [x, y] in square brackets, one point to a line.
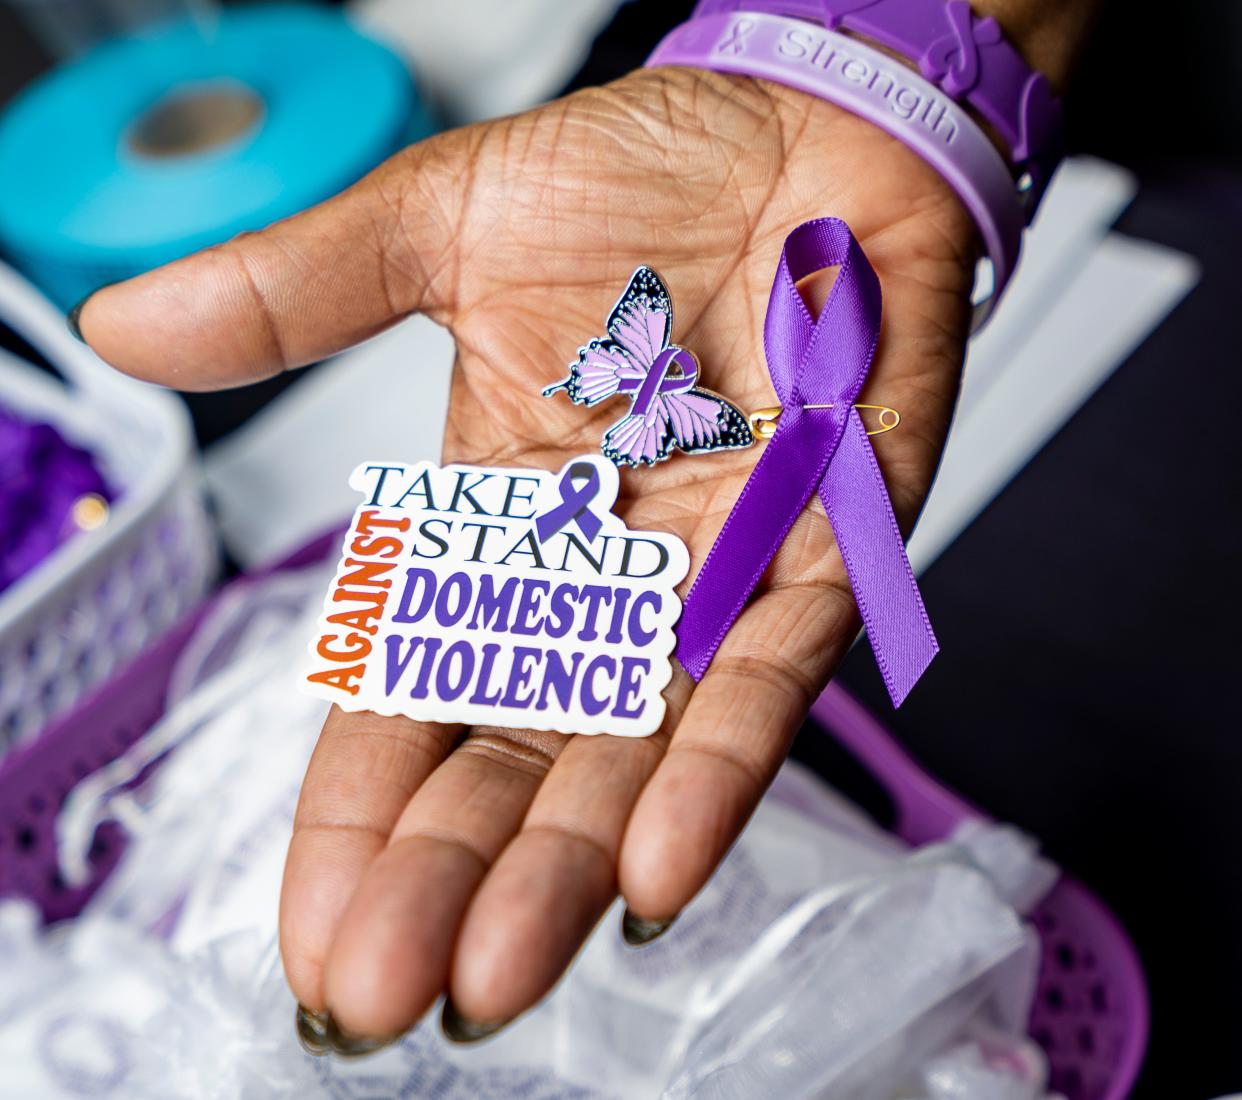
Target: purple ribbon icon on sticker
[575, 505]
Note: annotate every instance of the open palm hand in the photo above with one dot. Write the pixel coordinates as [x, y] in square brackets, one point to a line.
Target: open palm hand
[427, 858]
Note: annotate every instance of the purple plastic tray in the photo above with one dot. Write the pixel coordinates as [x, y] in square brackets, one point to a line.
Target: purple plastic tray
[36, 777]
[1090, 1014]
[1091, 1010]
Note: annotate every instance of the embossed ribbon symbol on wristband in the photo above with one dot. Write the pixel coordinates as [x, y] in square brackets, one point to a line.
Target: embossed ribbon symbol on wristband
[736, 43]
[953, 59]
[817, 362]
[575, 505]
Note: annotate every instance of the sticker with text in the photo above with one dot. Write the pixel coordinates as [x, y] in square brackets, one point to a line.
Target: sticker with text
[505, 597]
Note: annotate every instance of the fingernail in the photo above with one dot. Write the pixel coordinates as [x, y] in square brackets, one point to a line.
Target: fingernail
[354, 1046]
[637, 931]
[74, 318]
[462, 1029]
[312, 1030]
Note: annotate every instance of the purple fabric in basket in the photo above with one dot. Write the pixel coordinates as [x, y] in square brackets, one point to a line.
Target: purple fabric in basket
[42, 475]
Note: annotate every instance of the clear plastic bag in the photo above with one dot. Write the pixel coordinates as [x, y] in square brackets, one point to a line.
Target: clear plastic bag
[822, 960]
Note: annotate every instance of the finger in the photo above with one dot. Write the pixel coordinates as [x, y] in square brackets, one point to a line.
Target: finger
[295, 292]
[732, 740]
[361, 777]
[553, 882]
[390, 958]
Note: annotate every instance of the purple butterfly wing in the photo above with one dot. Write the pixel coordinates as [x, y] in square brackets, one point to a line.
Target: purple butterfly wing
[639, 440]
[599, 372]
[638, 330]
[641, 328]
[699, 421]
[642, 319]
[696, 422]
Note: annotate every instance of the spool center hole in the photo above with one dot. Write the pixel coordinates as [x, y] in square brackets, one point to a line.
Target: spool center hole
[195, 119]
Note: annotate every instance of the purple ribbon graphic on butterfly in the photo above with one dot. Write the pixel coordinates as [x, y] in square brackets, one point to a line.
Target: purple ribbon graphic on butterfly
[668, 409]
[817, 362]
[575, 505]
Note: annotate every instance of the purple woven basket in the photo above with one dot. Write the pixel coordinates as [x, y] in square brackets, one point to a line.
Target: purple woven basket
[1090, 1015]
[1091, 1011]
[36, 777]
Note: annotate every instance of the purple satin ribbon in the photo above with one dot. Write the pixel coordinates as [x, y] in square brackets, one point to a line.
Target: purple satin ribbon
[817, 362]
[575, 505]
[657, 380]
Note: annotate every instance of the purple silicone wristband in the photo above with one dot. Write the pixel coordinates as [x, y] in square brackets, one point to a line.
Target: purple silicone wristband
[864, 81]
[965, 56]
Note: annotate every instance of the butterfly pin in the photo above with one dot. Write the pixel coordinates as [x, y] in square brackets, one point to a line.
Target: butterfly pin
[635, 360]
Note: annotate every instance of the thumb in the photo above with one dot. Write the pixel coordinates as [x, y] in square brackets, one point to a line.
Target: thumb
[295, 292]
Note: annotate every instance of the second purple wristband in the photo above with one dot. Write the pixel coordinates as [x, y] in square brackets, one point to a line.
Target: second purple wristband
[965, 55]
[866, 82]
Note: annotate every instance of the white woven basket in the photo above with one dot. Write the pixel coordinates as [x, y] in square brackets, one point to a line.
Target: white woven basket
[105, 594]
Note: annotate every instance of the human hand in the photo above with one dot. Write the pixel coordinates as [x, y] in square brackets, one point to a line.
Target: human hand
[426, 858]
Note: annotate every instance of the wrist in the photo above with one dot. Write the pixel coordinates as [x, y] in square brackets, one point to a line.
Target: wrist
[853, 75]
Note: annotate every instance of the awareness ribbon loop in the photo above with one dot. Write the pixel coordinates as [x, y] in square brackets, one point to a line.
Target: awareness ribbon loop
[657, 379]
[575, 505]
[817, 362]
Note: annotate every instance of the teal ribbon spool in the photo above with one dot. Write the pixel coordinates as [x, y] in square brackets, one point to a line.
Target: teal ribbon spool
[154, 146]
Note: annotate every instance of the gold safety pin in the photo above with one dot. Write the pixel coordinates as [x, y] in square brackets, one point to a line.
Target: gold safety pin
[763, 421]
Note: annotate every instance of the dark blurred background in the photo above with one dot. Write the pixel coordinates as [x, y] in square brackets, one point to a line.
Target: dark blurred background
[1090, 647]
